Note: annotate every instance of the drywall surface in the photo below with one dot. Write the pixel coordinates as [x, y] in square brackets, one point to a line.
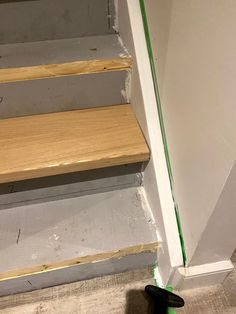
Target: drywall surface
[220, 228]
[198, 101]
[159, 14]
[156, 182]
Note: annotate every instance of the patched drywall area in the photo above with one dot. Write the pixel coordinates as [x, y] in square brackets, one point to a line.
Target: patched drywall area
[198, 102]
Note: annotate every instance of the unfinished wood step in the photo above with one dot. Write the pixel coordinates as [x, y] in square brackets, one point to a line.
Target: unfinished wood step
[58, 75]
[51, 144]
[67, 240]
[63, 69]
[66, 57]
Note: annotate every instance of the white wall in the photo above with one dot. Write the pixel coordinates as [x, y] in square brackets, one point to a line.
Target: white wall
[155, 176]
[218, 240]
[159, 13]
[197, 75]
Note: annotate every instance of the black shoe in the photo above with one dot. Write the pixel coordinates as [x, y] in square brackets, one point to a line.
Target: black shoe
[163, 299]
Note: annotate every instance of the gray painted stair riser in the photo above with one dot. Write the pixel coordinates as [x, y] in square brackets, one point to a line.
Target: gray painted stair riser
[40, 53]
[77, 273]
[69, 185]
[62, 94]
[25, 21]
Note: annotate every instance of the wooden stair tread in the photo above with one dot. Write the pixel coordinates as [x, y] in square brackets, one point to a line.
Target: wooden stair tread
[56, 143]
[64, 57]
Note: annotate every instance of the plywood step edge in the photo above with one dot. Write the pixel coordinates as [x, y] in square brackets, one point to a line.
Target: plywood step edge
[64, 69]
[57, 143]
[117, 254]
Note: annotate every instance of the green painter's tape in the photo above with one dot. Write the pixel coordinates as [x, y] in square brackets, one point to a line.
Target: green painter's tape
[163, 132]
[170, 310]
[153, 275]
[168, 288]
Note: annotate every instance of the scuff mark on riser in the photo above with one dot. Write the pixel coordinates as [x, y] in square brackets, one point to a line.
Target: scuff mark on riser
[61, 94]
[54, 19]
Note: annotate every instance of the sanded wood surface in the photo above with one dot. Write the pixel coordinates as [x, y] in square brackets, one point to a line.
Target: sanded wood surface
[63, 69]
[50, 144]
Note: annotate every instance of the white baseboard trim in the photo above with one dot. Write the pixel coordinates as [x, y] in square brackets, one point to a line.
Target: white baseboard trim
[201, 275]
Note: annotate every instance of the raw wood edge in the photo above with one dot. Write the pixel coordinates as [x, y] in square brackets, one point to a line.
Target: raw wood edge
[8, 75]
[117, 254]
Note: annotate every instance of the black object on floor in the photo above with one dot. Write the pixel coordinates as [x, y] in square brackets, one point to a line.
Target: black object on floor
[163, 299]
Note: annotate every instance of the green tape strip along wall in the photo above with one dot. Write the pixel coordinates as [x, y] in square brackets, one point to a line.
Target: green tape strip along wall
[163, 132]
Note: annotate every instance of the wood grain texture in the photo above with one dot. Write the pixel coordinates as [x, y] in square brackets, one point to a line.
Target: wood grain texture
[118, 254]
[63, 69]
[50, 144]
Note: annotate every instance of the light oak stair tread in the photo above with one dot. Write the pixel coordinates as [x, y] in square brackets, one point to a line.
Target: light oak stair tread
[64, 57]
[56, 143]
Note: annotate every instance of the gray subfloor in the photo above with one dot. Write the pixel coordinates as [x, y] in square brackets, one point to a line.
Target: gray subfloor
[121, 293]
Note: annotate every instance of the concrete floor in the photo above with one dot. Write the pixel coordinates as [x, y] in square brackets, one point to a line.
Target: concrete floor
[118, 294]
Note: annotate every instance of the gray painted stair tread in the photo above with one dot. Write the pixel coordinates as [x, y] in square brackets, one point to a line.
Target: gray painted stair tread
[61, 51]
[70, 228]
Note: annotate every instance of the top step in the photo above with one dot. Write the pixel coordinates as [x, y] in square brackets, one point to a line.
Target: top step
[50, 144]
[27, 21]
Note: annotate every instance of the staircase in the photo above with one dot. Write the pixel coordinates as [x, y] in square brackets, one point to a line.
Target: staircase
[72, 152]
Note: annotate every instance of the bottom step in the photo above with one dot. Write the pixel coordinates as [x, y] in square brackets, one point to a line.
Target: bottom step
[66, 240]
